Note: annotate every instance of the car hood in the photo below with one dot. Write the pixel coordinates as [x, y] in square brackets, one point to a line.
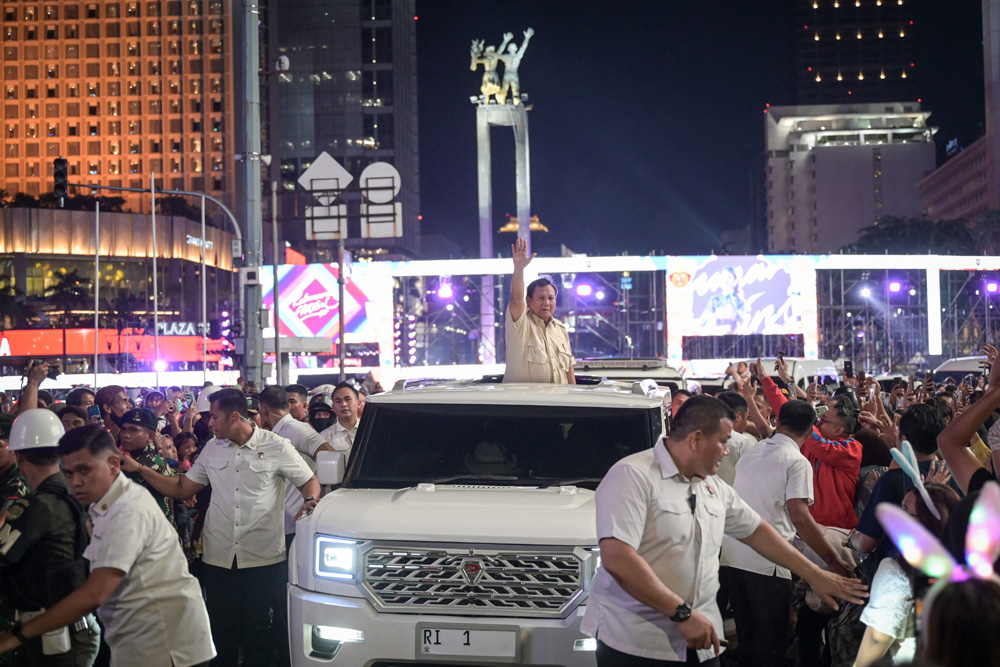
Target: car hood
[461, 513]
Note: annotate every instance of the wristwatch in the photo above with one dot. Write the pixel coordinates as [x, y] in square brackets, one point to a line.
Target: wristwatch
[682, 613]
[307, 499]
[15, 630]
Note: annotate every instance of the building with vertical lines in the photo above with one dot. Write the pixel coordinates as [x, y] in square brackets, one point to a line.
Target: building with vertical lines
[121, 90]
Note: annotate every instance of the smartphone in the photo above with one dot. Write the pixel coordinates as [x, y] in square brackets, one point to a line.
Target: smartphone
[848, 369]
[93, 412]
[861, 378]
[178, 405]
[189, 397]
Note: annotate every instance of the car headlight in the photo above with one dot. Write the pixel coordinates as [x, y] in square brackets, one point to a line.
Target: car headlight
[336, 558]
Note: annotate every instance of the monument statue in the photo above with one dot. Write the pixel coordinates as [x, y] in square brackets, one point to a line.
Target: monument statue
[511, 60]
[489, 57]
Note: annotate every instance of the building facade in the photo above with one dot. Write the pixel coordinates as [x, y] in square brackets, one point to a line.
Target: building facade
[351, 91]
[854, 51]
[968, 184]
[122, 90]
[833, 170]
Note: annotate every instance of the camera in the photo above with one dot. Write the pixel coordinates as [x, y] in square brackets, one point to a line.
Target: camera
[53, 369]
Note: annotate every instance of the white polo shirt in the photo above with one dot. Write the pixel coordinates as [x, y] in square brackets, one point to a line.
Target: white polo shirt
[645, 502]
[245, 519]
[156, 616]
[537, 351]
[307, 441]
[738, 444]
[340, 438]
[766, 477]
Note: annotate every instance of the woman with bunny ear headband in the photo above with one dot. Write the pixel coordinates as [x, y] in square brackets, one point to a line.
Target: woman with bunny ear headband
[889, 615]
[953, 633]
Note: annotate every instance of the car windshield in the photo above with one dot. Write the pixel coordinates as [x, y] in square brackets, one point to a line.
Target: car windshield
[508, 445]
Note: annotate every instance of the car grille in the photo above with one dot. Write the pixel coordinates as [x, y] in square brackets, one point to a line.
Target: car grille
[479, 582]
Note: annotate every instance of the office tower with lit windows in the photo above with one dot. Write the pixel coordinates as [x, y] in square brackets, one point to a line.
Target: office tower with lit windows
[854, 51]
[121, 90]
[351, 91]
[833, 170]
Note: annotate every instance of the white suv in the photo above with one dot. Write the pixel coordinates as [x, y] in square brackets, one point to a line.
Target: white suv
[464, 530]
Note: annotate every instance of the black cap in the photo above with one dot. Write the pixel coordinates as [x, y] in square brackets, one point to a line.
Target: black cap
[141, 417]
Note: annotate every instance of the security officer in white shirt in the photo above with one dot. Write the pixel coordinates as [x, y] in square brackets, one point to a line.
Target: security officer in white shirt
[341, 433]
[151, 606]
[661, 517]
[275, 417]
[244, 540]
[776, 480]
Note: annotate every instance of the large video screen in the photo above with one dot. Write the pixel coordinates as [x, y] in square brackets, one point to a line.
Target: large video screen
[741, 295]
[309, 305]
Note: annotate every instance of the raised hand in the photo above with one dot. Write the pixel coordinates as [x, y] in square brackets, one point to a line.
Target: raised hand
[528, 33]
[519, 252]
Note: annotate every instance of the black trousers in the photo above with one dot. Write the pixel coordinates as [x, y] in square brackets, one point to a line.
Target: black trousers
[609, 657]
[239, 607]
[761, 606]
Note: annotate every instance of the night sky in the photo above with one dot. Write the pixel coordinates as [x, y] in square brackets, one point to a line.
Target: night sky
[648, 116]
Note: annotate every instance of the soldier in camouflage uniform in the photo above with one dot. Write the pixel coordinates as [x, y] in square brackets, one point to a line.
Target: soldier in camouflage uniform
[12, 482]
[138, 430]
[41, 549]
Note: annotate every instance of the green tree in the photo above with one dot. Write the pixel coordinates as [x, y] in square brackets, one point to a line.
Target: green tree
[915, 236]
[13, 308]
[72, 292]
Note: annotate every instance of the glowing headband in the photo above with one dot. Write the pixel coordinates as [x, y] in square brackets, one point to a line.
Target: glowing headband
[923, 551]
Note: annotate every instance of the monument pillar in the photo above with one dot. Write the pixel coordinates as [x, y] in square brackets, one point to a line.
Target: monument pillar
[516, 117]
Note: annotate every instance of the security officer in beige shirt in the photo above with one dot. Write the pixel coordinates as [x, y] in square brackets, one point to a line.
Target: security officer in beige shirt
[537, 343]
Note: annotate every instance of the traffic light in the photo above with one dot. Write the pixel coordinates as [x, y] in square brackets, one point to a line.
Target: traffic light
[60, 177]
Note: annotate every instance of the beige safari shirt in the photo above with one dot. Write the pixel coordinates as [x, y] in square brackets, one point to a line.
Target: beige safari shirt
[536, 351]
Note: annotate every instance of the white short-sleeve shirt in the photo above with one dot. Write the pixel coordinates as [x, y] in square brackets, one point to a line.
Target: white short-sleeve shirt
[738, 444]
[340, 438]
[537, 351]
[890, 609]
[156, 616]
[307, 441]
[766, 477]
[645, 502]
[245, 519]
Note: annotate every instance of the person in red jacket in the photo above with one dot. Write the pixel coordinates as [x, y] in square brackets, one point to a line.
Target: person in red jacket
[834, 454]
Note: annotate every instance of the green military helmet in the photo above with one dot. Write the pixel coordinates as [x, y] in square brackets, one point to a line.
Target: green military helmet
[34, 429]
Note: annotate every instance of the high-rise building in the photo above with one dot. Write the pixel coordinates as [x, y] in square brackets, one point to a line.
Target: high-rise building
[834, 170]
[351, 91]
[851, 51]
[121, 90]
[967, 186]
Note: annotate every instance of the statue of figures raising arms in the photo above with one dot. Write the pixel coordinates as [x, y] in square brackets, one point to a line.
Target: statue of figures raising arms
[511, 61]
[488, 59]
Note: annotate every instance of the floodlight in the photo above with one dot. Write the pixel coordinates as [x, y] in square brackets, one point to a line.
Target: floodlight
[583, 289]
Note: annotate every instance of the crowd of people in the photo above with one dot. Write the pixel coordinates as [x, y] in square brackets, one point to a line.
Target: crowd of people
[846, 525]
[858, 482]
[153, 527]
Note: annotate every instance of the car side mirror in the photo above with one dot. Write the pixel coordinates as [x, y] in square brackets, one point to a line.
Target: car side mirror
[330, 467]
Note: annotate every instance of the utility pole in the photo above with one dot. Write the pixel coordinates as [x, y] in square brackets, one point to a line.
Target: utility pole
[253, 342]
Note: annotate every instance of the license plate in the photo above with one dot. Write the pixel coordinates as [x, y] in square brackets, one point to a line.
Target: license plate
[467, 642]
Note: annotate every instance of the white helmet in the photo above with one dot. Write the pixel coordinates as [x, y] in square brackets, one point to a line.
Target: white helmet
[203, 403]
[34, 429]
